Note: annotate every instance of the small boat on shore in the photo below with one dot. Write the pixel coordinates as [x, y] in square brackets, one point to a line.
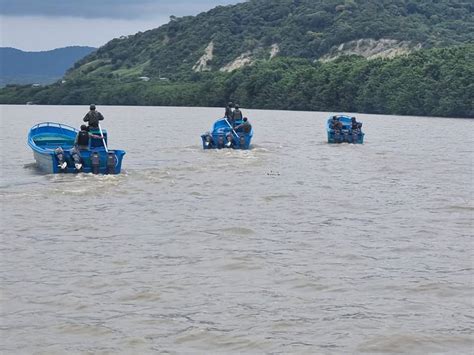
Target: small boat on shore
[223, 135]
[344, 129]
[54, 150]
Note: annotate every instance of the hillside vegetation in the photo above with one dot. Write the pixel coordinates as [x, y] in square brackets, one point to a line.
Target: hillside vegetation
[287, 54]
[295, 28]
[437, 82]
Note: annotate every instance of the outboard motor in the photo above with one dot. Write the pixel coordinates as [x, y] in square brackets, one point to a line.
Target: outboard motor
[359, 131]
[95, 162]
[220, 141]
[111, 161]
[62, 164]
[230, 140]
[242, 141]
[76, 157]
[355, 136]
[356, 132]
[208, 140]
[346, 135]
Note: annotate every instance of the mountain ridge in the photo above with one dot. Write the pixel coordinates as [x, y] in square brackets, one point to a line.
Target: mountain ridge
[247, 32]
[41, 67]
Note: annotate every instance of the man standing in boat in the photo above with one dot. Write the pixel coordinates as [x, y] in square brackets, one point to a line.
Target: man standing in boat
[236, 115]
[228, 110]
[93, 117]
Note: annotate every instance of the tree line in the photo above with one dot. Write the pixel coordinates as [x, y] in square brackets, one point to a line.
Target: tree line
[436, 82]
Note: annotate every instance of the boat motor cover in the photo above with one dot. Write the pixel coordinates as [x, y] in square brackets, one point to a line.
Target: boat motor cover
[95, 159]
[111, 159]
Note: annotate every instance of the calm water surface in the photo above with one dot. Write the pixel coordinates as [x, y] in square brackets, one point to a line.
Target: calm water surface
[295, 246]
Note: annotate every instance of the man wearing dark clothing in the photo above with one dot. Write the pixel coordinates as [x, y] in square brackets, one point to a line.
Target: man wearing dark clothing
[83, 137]
[244, 127]
[355, 125]
[228, 110]
[336, 124]
[93, 117]
[237, 114]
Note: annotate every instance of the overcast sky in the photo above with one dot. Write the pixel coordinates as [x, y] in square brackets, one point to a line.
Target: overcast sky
[35, 25]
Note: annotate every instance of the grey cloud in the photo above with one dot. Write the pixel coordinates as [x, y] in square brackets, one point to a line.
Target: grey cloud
[118, 9]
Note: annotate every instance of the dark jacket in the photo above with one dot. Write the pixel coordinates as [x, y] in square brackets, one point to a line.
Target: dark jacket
[228, 112]
[93, 117]
[82, 139]
[245, 127]
[356, 125]
[337, 125]
[237, 115]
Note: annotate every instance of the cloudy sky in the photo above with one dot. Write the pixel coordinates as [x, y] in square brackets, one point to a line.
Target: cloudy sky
[35, 25]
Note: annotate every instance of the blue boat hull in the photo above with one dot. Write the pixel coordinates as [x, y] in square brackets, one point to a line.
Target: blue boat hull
[223, 136]
[44, 138]
[346, 134]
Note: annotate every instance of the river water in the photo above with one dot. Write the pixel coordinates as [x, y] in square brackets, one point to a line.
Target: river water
[294, 246]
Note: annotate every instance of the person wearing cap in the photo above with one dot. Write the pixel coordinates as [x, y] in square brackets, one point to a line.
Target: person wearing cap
[93, 117]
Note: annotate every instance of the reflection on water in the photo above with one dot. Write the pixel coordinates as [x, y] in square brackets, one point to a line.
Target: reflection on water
[295, 246]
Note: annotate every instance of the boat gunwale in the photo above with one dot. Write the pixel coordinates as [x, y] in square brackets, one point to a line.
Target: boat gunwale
[31, 135]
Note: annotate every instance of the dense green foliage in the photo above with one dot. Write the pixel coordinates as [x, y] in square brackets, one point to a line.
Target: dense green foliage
[434, 83]
[301, 28]
[437, 82]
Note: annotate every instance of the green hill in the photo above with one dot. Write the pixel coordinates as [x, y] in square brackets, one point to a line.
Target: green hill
[336, 55]
[226, 37]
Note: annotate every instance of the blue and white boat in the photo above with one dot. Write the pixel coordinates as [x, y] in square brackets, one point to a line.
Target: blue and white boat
[340, 130]
[54, 150]
[223, 135]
